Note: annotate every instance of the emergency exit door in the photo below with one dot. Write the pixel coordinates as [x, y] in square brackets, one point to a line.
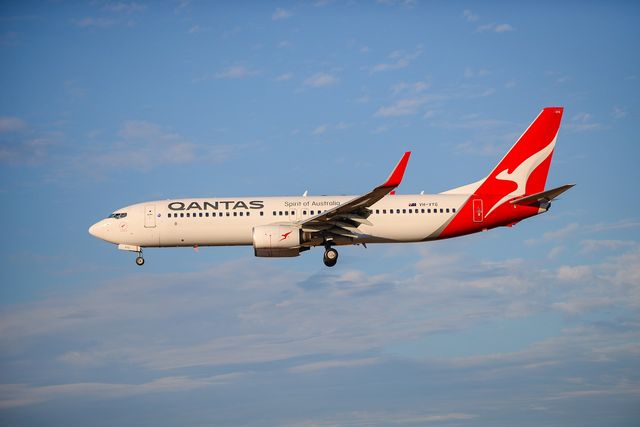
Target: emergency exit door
[150, 216]
[478, 211]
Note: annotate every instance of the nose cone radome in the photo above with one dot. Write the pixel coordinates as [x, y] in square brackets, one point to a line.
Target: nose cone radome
[100, 230]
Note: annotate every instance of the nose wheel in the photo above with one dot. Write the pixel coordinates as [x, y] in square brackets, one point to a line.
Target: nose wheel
[330, 257]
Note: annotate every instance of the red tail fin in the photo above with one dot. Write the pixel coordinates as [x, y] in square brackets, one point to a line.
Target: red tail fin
[523, 171]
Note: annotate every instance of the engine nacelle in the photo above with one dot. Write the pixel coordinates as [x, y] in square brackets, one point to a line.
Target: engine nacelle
[277, 240]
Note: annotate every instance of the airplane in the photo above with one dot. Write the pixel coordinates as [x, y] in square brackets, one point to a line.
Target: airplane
[288, 226]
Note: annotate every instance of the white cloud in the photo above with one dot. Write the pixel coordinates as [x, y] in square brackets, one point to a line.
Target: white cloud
[470, 72]
[469, 15]
[590, 246]
[280, 14]
[496, 28]
[415, 87]
[124, 7]
[11, 124]
[90, 22]
[319, 130]
[284, 77]
[402, 107]
[333, 364]
[618, 113]
[583, 122]
[399, 59]
[16, 395]
[561, 233]
[321, 80]
[235, 72]
[284, 44]
[194, 29]
[574, 273]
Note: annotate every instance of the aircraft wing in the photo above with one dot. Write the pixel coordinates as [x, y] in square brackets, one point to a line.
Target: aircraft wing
[542, 197]
[343, 220]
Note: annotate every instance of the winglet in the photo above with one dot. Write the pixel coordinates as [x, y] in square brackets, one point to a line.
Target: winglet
[396, 176]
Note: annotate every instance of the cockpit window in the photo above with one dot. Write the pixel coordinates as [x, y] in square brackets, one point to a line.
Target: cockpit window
[118, 215]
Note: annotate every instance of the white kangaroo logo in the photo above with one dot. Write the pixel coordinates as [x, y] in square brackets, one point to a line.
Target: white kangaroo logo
[520, 175]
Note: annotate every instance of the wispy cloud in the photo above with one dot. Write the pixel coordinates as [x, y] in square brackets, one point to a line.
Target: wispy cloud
[284, 77]
[398, 59]
[91, 22]
[583, 122]
[235, 72]
[280, 14]
[11, 124]
[618, 113]
[333, 364]
[469, 15]
[16, 395]
[495, 28]
[321, 80]
[124, 7]
[402, 107]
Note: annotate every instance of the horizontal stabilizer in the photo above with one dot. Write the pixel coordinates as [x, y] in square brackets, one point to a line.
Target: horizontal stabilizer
[542, 197]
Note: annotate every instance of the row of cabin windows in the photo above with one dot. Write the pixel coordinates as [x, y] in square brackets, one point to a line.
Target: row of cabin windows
[404, 211]
[207, 214]
[284, 213]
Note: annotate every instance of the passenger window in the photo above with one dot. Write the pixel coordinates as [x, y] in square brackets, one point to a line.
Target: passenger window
[235, 214]
[428, 210]
[404, 211]
[390, 211]
[181, 214]
[168, 215]
[384, 211]
[447, 210]
[454, 210]
[261, 213]
[422, 210]
[248, 213]
[293, 212]
[397, 210]
[274, 213]
[228, 214]
[441, 210]
[410, 210]
[304, 212]
[377, 211]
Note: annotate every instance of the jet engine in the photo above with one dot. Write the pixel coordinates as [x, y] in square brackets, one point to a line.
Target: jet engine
[277, 240]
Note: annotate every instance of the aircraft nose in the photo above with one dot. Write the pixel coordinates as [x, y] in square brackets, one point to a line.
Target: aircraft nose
[100, 230]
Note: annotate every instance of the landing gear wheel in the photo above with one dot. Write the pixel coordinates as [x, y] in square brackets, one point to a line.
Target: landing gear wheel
[139, 260]
[330, 257]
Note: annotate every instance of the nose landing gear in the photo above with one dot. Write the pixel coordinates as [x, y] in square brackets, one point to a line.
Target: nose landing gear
[330, 257]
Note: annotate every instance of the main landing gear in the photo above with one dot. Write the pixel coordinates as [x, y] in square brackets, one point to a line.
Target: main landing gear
[330, 257]
[139, 258]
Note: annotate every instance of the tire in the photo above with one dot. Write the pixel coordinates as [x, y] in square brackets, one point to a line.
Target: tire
[330, 257]
[139, 260]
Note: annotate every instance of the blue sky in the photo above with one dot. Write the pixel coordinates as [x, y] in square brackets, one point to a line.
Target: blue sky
[106, 104]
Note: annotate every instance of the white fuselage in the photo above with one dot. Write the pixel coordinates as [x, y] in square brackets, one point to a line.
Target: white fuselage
[230, 221]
